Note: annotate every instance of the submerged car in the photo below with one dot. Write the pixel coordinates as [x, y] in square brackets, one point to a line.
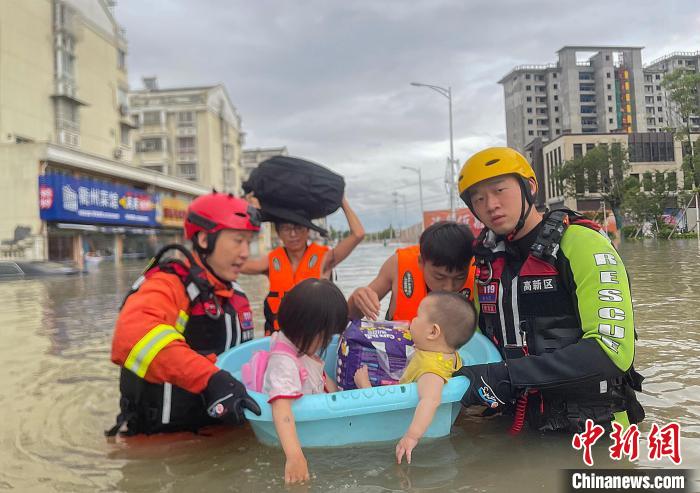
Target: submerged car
[18, 269]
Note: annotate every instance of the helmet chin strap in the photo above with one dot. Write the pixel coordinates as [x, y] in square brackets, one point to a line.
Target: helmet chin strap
[524, 197]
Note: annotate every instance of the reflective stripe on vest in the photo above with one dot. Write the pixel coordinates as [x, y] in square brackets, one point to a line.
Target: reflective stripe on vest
[283, 278]
[149, 346]
[411, 287]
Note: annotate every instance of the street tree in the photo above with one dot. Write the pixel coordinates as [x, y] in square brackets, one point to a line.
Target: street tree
[682, 86]
[602, 170]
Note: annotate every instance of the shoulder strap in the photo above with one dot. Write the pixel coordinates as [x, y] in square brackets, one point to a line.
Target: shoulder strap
[280, 347]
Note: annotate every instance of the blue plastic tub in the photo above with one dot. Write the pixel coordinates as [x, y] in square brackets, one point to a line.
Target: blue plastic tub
[358, 416]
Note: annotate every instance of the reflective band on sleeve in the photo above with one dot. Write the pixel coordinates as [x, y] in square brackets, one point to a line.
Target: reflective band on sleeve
[149, 346]
[181, 322]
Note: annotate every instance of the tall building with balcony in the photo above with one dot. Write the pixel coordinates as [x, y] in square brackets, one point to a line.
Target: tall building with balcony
[66, 143]
[192, 133]
[64, 79]
[660, 111]
[590, 89]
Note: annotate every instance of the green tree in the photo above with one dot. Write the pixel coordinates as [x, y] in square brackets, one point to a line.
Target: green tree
[601, 170]
[682, 86]
[646, 201]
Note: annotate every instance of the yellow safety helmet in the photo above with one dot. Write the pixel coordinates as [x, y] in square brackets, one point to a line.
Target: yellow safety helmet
[494, 161]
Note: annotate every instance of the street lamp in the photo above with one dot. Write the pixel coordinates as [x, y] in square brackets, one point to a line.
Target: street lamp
[446, 92]
[420, 193]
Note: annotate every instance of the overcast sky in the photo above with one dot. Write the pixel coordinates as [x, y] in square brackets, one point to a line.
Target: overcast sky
[330, 79]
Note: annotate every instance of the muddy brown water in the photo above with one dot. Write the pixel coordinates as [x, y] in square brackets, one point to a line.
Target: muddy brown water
[60, 391]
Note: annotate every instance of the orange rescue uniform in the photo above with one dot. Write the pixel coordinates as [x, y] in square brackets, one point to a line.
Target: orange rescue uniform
[157, 314]
[283, 278]
[411, 287]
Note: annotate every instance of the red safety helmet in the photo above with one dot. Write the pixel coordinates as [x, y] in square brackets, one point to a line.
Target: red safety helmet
[216, 211]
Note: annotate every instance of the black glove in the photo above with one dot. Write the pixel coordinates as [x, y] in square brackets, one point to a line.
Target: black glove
[225, 398]
[489, 385]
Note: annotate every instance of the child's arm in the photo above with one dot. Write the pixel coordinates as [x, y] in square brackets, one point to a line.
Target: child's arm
[430, 393]
[295, 469]
[361, 378]
[330, 384]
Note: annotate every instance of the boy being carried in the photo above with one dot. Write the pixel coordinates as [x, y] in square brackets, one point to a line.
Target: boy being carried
[444, 323]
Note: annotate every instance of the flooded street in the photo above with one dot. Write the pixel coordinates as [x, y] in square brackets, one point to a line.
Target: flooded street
[60, 391]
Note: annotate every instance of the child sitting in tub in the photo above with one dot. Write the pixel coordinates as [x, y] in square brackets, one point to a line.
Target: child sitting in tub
[444, 323]
[309, 315]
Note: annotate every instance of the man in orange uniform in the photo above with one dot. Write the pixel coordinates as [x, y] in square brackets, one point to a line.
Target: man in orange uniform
[297, 259]
[178, 317]
[442, 261]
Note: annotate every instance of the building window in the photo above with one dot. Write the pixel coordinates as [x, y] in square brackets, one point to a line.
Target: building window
[607, 58]
[556, 108]
[528, 99]
[607, 75]
[187, 170]
[555, 86]
[154, 167]
[609, 87]
[527, 76]
[649, 99]
[530, 132]
[528, 88]
[185, 145]
[556, 120]
[609, 97]
[578, 150]
[661, 119]
[121, 59]
[658, 88]
[529, 121]
[556, 98]
[610, 121]
[151, 145]
[660, 109]
[124, 135]
[609, 109]
[529, 110]
[151, 117]
[185, 118]
[558, 131]
[658, 98]
[554, 75]
[647, 78]
[658, 77]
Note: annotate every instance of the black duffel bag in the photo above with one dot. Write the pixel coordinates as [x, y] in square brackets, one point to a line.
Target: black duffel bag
[307, 188]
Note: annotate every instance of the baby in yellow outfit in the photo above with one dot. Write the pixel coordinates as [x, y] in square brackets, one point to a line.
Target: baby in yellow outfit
[445, 322]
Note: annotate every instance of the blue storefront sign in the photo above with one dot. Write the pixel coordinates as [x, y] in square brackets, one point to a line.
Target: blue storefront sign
[64, 198]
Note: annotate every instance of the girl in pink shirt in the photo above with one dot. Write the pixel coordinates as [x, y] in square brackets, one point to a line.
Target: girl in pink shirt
[309, 315]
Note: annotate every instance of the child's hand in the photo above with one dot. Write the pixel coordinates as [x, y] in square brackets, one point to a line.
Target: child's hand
[405, 446]
[296, 469]
[362, 378]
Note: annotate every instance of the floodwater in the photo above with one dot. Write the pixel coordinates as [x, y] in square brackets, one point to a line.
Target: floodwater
[60, 391]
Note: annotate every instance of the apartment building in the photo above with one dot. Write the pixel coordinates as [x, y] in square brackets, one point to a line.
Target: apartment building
[193, 133]
[66, 142]
[659, 110]
[590, 89]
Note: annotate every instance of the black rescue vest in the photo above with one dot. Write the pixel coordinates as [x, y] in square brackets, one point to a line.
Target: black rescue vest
[215, 324]
[527, 308]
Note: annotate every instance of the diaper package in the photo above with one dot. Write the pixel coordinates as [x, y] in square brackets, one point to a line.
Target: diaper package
[385, 347]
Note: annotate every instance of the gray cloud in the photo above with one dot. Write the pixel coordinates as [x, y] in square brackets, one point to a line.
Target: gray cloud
[330, 79]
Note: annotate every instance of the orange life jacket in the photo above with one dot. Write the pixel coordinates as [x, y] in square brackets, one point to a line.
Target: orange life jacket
[283, 278]
[411, 283]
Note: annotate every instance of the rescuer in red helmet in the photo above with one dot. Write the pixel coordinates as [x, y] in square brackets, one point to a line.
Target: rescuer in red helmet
[178, 316]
